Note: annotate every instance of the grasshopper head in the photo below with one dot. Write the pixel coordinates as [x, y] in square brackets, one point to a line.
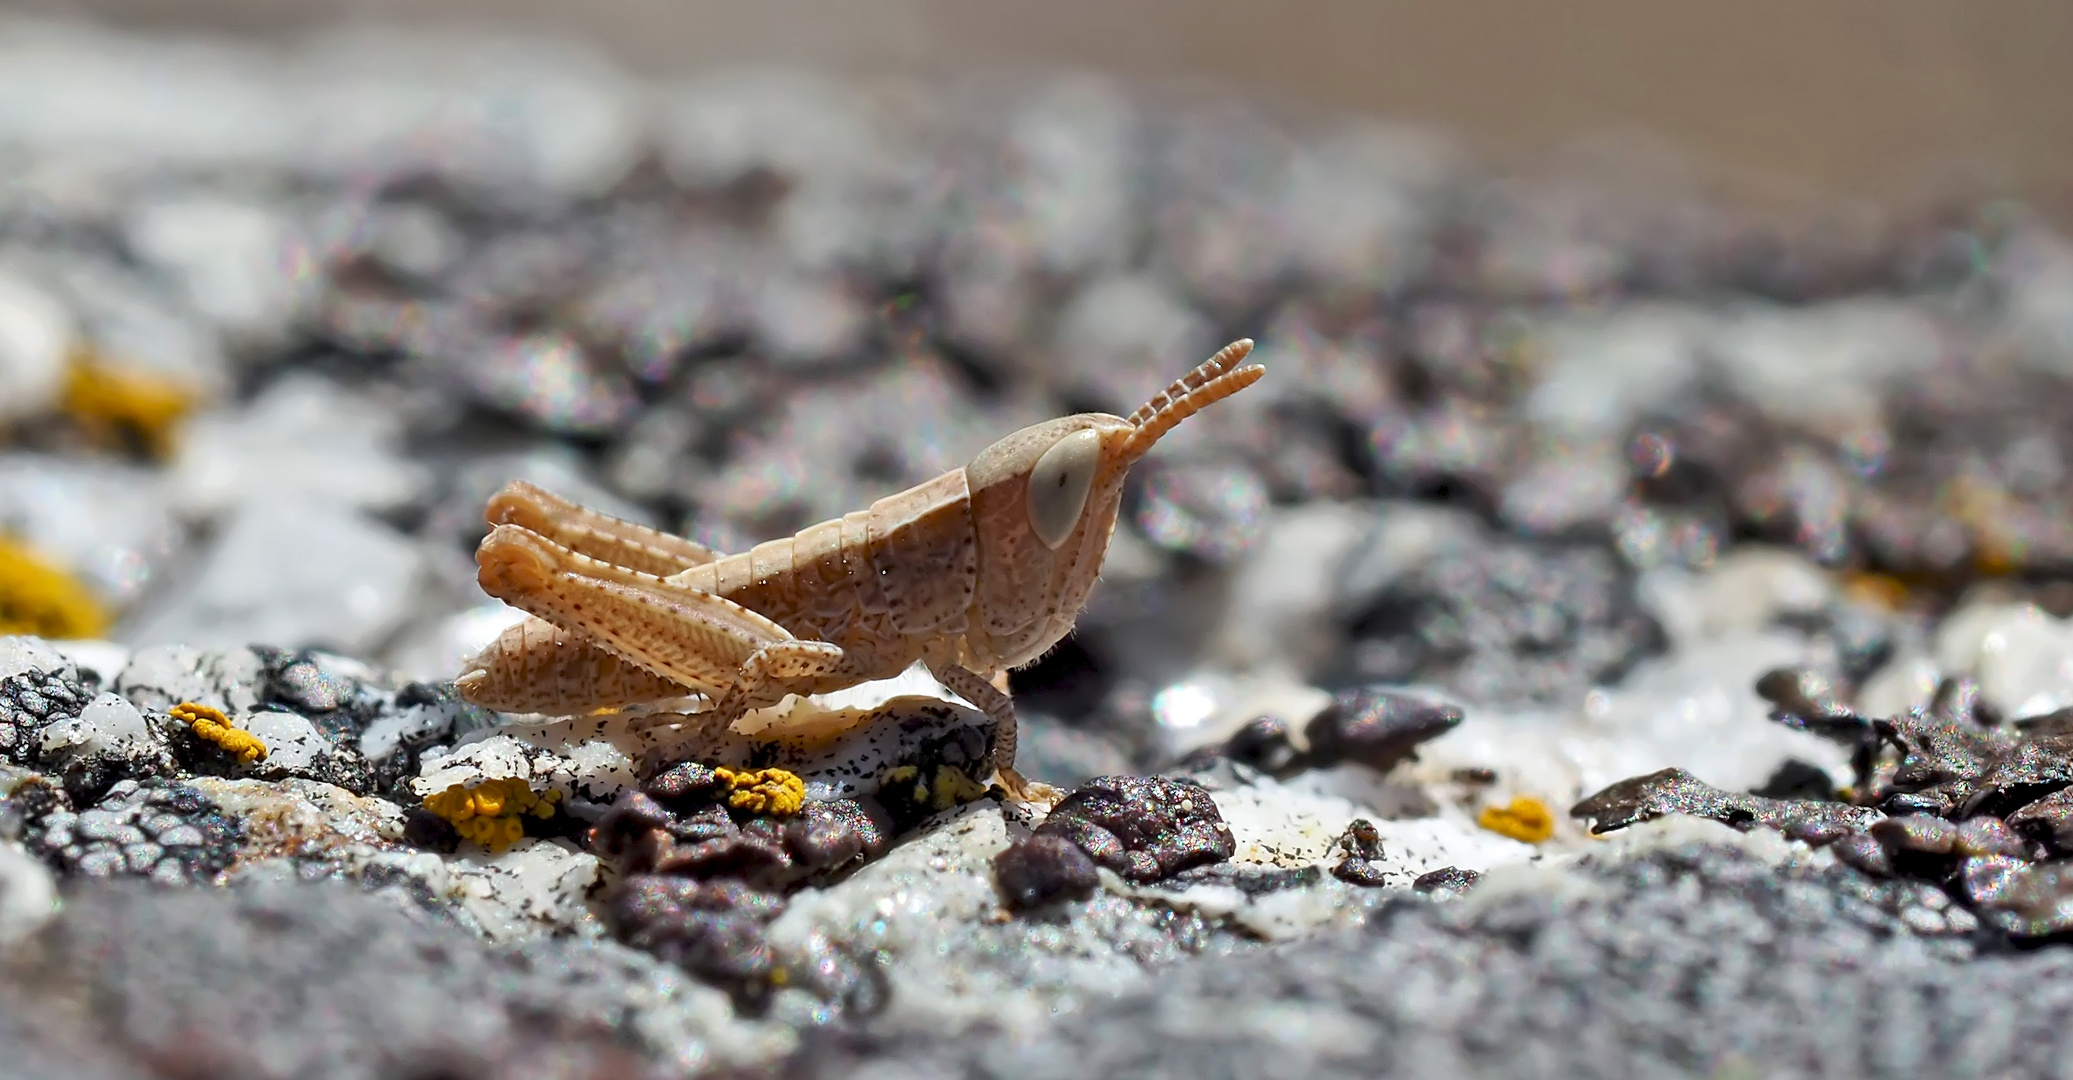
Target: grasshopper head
[1044, 503]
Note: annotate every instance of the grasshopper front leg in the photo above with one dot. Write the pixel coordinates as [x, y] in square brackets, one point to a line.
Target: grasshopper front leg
[1000, 708]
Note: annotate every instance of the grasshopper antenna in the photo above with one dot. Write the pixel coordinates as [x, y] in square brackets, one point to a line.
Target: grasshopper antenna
[1191, 393]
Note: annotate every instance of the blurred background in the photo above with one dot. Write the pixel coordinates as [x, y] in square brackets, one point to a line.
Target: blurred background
[1789, 101]
[1558, 304]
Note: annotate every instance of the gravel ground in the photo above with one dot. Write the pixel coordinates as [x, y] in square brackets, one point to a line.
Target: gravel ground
[1618, 637]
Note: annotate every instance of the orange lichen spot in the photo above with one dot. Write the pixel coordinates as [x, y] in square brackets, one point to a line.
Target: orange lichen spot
[211, 726]
[1996, 554]
[1882, 591]
[1985, 508]
[1527, 819]
[37, 597]
[115, 406]
[764, 791]
[491, 813]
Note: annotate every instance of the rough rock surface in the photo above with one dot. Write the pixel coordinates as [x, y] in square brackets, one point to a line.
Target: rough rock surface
[1692, 962]
[1565, 488]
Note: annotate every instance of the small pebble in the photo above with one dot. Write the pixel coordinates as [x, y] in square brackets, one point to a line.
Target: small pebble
[1043, 869]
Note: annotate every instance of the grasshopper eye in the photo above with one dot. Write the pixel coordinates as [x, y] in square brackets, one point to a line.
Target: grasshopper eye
[1059, 483]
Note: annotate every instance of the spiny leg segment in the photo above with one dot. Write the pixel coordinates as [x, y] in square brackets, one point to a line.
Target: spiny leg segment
[538, 667]
[682, 634]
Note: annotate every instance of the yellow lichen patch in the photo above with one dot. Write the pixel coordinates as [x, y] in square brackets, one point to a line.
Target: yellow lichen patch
[1882, 591]
[38, 598]
[763, 791]
[114, 406]
[945, 788]
[953, 787]
[211, 726]
[1984, 508]
[491, 813]
[1527, 819]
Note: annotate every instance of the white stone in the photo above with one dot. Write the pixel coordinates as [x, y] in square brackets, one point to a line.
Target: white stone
[1281, 915]
[805, 126]
[1287, 826]
[1277, 614]
[1566, 487]
[437, 649]
[1826, 364]
[22, 652]
[304, 437]
[496, 757]
[1555, 877]
[915, 903]
[162, 676]
[800, 319]
[392, 729]
[103, 658]
[137, 327]
[484, 108]
[295, 574]
[108, 724]
[1906, 682]
[1695, 709]
[299, 814]
[413, 239]
[1745, 592]
[1553, 881]
[477, 107]
[2035, 267]
[535, 886]
[125, 103]
[28, 894]
[110, 525]
[1074, 151]
[293, 744]
[1674, 831]
[36, 338]
[579, 766]
[1206, 707]
[2022, 657]
[1354, 206]
[1600, 371]
[597, 770]
[240, 263]
[1128, 323]
[1403, 536]
[695, 1027]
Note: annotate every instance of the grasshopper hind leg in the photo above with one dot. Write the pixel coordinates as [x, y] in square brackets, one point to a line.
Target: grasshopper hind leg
[673, 634]
[535, 666]
[795, 666]
[587, 532]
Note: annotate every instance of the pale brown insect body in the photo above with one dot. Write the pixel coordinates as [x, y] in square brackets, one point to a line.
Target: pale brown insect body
[974, 573]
